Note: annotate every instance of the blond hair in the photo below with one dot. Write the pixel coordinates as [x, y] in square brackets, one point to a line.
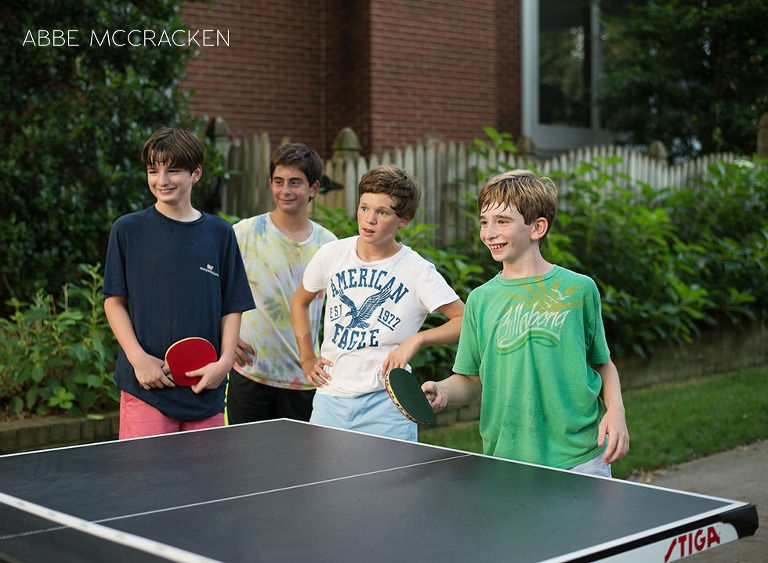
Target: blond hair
[533, 197]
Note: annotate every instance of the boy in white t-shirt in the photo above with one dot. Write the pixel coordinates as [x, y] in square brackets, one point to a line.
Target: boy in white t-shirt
[378, 294]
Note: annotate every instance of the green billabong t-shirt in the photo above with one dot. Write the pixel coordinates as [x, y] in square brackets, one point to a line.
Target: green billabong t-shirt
[530, 340]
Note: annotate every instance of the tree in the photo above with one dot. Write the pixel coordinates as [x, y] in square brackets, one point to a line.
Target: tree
[75, 107]
[691, 73]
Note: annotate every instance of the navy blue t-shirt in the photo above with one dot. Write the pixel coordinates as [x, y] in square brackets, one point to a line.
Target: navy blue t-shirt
[180, 280]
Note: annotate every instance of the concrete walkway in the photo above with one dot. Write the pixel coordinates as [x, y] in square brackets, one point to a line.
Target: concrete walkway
[739, 474]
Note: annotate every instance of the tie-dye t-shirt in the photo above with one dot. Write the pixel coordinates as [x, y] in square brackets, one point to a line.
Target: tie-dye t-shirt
[275, 267]
[530, 340]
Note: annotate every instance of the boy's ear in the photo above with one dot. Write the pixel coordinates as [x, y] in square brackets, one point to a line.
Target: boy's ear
[404, 221]
[313, 189]
[198, 173]
[539, 228]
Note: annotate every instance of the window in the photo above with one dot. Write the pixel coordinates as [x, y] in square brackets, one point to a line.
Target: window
[564, 63]
[561, 63]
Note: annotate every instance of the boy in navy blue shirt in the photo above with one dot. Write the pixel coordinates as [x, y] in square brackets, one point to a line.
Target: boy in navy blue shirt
[172, 272]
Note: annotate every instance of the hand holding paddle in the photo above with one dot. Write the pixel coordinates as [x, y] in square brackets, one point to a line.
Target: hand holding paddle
[406, 393]
[187, 355]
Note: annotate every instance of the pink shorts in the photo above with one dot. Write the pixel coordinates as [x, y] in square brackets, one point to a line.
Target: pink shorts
[138, 419]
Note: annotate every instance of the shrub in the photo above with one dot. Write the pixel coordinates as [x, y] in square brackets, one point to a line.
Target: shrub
[73, 122]
[59, 357]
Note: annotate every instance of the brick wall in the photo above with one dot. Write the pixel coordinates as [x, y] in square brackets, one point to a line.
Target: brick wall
[270, 78]
[397, 71]
[433, 70]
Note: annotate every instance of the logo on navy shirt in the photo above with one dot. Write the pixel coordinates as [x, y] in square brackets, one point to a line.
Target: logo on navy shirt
[208, 269]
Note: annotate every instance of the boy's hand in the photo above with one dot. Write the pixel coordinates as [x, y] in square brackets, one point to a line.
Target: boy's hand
[439, 400]
[244, 354]
[149, 373]
[400, 356]
[615, 425]
[210, 376]
[314, 372]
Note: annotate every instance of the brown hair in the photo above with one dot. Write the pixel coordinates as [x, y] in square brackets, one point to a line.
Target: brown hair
[173, 146]
[397, 183]
[298, 156]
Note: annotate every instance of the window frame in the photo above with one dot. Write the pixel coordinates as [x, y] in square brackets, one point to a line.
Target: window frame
[555, 139]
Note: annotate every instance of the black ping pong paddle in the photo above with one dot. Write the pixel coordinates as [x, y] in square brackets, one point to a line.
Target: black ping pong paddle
[406, 393]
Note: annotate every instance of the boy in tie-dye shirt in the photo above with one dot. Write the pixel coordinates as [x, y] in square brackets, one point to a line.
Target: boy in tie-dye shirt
[268, 381]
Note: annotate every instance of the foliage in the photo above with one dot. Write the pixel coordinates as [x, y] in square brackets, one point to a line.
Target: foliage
[630, 248]
[691, 74]
[73, 119]
[726, 214]
[59, 357]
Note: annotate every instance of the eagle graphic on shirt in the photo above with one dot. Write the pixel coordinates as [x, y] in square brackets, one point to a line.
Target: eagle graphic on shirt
[361, 316]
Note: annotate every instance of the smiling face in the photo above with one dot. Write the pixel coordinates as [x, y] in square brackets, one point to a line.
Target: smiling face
[291, 190]
[172, 185]
[504, 231]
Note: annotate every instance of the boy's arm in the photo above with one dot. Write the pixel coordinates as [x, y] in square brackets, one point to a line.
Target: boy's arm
[311, 366]
[446, 333]
[614, 421]
[147, 368]
[213, 374]
[457, 389]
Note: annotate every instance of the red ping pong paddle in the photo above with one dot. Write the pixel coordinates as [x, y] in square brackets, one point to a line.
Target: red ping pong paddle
[186, 355]
[406, 393]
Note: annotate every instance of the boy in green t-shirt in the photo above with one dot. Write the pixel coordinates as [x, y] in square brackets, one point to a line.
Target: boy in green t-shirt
[533, 344]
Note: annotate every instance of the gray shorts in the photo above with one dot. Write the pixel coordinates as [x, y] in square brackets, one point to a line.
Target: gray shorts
[594, 466]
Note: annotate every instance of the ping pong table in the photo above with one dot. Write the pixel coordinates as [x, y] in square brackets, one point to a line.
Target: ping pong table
[290, 491]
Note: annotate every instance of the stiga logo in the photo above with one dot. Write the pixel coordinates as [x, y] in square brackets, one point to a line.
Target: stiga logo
[692, 542]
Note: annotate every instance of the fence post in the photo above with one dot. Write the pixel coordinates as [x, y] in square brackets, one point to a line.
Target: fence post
[762, 137]
[526, 150]
[346, 145]
[657, 151]
[346, 151]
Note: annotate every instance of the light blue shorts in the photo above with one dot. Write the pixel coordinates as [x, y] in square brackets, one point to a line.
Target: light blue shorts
[373, 413]
[594, 466]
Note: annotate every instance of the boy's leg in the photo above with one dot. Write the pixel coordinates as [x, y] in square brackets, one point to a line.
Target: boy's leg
[250, 401]
[377, 414]
[294, 404]
[138, 419]
[328, 410]
[247, 400]
[373, 413]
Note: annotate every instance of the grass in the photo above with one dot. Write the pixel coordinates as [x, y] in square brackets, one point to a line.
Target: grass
[668, 424]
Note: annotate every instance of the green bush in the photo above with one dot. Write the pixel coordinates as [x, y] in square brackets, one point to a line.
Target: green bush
[59, 357]
[73, 122]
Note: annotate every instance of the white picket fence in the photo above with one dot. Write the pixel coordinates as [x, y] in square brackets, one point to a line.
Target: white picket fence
[448, 172]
